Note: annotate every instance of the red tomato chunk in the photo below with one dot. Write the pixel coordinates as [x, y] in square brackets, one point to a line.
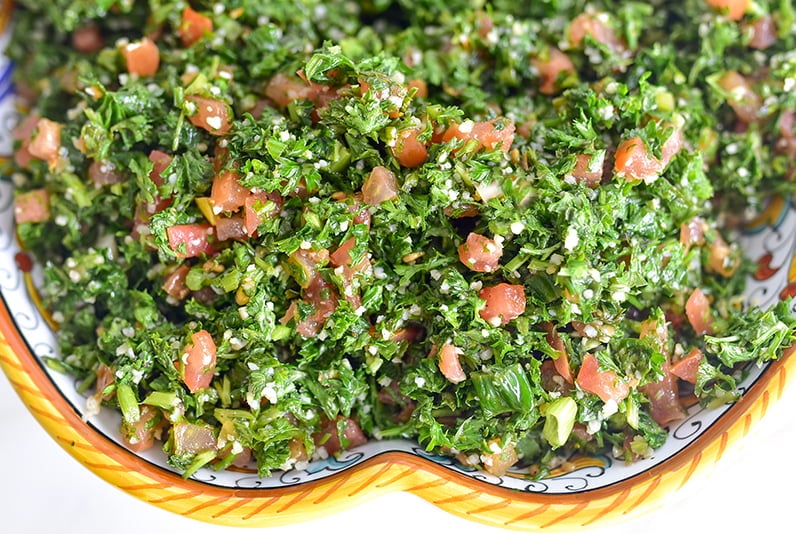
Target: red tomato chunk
[504, 303]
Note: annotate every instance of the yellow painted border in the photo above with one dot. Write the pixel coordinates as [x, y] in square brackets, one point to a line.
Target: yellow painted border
[388, 472]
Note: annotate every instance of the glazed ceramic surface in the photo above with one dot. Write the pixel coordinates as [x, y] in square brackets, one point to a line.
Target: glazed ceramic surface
[598, 490]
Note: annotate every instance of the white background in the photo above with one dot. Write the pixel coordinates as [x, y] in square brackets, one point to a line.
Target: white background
[43, 489]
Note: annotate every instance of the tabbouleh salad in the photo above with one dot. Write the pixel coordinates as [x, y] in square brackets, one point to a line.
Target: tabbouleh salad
[271, 231]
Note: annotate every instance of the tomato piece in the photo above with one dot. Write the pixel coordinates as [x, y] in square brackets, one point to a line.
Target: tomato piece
[588, 169]
[283, 90]
[252, 216]
[226, 193]
[211, 115]
[561, 362]
[32, 206]
[141, 435]
[23, 132]
[764, 33]
[104, 173]
[174, 283]
[142, 57]
[664, 397]
[193, 26]
[498, 463]
[742, 98]
[687, 367]
[596, 26]
[333, 440]
[634, 162]
[449, 363]
[87, 39]
[504, 303]
[409, 150]
[480, 254]
[550, 68]
[191, 240]
[720, 258]
[197, 364]
[46, 142]
[493, 134]
[379, 186]
[697, 310]
[734, 9]
[190, 438]
[231, 227]
[605, 384]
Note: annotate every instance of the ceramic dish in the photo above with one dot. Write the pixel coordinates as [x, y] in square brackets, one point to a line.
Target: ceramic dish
[599, 491]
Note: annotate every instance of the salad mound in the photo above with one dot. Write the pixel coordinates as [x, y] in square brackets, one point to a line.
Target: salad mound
[273, 231]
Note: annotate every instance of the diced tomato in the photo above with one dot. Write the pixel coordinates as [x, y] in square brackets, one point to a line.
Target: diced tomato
[379, 186]
[588, 169]
[635, 162]
[498, 463]
[32, 206]
[193, 26]
[764, 32]
[174, 283]
[504, 303]
[561, 362]
[191, 240]
[742, 98]
[87, 39]
[226, 193]
[190, 438]
[664, 397]
[104, 173]
[720, 257]
[551, 67]
[231, 227]
[211, 115]
[197, 364]
[697, 310]
[449, 363]
[596, 26]
[734, 9]
[480, 254]
[409, 150]
[283, 90]
[420, 87]
[104, 379]
[46, 142]
[330, 438]
[141, 435]
[142, 57]
[252, 217]
[23, 132]
[693, 232]
[605, 384]
[497, 133]
[687, 367]
[160, 162]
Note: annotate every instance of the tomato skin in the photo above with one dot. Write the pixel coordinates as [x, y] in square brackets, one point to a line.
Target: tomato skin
[251, 216]
[194, 237]
[334, 441]
[231, 227]
[450, 365]
[743, 100]
[550, 68]
[504, 303]
[697, 310]
[140, 436]
[46, 142]
[409, 150]
[283, 90]
[213, 116]
[198, 362]
[488, 134]
[379, 186]
[735, 9]
[226, 193]
[604, 384]
[634, 161]
[174, 283]
[561, 363]
[32, 206]
[687, 367]
[582, 173]
[142, 57]
[193, 26]
[591, 24]
[664, 397]
[480, 254]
